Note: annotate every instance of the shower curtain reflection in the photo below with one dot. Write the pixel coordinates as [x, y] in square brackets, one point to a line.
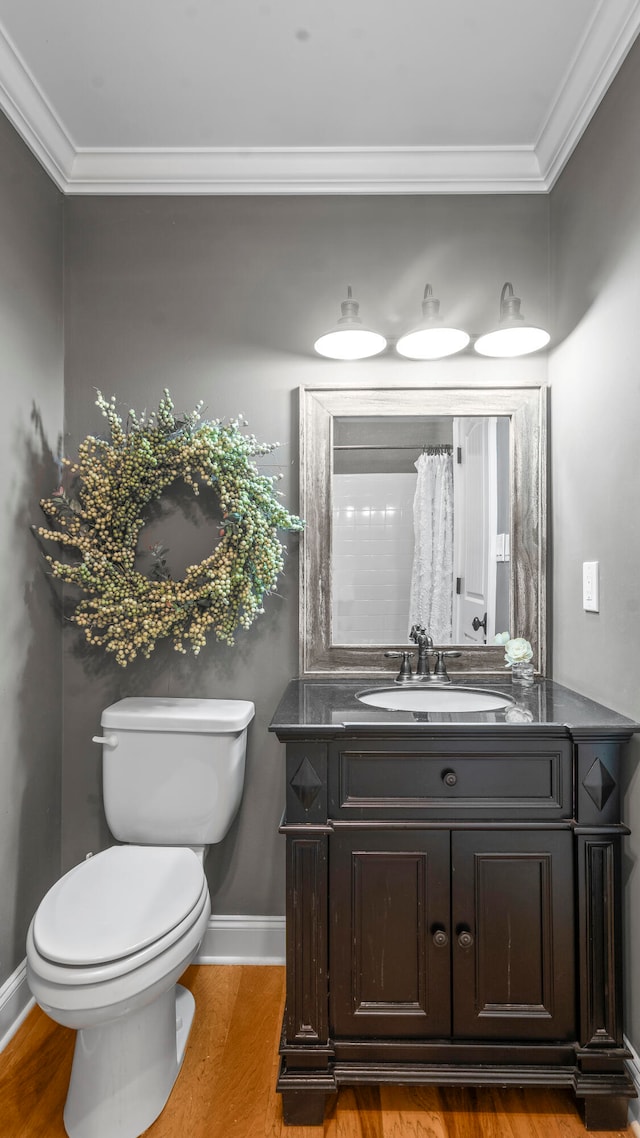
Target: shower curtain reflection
[431, 598]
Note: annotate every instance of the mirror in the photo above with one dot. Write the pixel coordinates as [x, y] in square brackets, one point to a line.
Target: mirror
[399, 532]
[420, 528]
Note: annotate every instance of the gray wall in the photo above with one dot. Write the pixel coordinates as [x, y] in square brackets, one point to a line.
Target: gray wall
[221, 299]
[31, 383]
[595, 417]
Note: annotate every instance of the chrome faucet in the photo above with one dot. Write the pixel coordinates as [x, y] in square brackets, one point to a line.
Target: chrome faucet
[421, 637]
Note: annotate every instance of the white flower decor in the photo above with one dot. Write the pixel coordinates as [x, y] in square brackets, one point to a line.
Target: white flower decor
[516, 650]
[97, 520]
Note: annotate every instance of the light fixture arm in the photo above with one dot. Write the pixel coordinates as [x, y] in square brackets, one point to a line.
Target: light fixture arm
[430, 306]
[509, 304]
[349, 309]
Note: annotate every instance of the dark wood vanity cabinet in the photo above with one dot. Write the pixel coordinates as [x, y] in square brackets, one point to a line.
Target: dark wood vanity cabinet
[451, 934]
[388, 949]
[453, 915]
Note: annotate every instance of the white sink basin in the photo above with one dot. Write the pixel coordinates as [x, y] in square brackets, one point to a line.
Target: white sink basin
[434, 698]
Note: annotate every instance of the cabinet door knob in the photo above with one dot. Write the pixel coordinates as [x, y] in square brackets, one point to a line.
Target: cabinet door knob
[440, 938]
[449, 778]
[465, 940]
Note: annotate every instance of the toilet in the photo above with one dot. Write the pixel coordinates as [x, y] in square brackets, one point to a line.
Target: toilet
[111, 938]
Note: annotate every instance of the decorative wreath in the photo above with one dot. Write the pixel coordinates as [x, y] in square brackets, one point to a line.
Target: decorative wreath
[99, 519]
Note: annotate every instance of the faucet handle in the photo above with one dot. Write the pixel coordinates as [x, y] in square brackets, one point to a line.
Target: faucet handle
[440, 671]
[405, 674]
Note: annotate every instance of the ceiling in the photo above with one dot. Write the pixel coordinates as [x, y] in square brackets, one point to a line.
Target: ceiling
[307, 96]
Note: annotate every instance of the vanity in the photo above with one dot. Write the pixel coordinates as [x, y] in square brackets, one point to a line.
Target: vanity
[453, 895]
[454, 899]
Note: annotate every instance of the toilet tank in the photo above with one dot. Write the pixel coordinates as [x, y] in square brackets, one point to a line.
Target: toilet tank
[173, 769]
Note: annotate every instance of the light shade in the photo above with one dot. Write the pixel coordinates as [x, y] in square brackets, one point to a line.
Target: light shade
[431, 339]
[514, 336]
[349, 339]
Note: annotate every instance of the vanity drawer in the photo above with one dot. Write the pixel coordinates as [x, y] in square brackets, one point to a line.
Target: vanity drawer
[395, 778]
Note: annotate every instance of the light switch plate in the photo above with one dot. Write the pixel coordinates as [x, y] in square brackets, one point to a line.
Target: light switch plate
[591, 586]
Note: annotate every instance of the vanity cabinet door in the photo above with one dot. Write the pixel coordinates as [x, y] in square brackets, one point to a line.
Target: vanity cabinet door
[513, 935]
[390, 952]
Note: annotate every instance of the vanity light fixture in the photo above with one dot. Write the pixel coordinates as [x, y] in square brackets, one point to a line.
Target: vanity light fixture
[349, 339]
[431, 339]
[513, 336]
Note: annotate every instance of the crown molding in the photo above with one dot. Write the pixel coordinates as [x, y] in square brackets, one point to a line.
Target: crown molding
[327, 170]
[312, 170]
[31, 114]
[596, 62]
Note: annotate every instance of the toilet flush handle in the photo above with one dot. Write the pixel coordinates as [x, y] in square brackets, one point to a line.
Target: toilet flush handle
[106, 740]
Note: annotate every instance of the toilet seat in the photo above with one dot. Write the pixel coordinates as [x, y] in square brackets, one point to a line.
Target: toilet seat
[117, 910]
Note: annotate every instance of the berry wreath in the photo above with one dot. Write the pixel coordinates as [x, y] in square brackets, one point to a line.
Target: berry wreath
[99, 518]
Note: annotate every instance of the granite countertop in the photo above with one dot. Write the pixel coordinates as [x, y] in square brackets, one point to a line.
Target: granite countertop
[328, 706]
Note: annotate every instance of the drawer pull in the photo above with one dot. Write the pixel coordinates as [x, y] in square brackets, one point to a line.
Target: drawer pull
[440, 938]
[449, 778]
[465, 940]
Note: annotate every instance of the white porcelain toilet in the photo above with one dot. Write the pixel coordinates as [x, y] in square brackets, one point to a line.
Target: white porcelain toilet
[111, 938]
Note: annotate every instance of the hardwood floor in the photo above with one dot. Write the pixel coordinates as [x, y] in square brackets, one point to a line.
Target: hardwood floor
[226, 1086]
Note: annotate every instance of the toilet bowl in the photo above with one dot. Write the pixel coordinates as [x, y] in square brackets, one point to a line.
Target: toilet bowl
[104, 952]
[111, 938]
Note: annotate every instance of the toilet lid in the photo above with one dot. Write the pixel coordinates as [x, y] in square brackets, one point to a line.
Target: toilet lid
[117, 903]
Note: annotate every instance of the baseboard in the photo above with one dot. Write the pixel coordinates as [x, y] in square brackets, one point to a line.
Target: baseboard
[228, 940]
[243, 940]
[633, 1066]
[16, 1002]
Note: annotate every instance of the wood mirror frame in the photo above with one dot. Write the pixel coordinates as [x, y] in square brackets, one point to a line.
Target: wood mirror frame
[526, 407]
